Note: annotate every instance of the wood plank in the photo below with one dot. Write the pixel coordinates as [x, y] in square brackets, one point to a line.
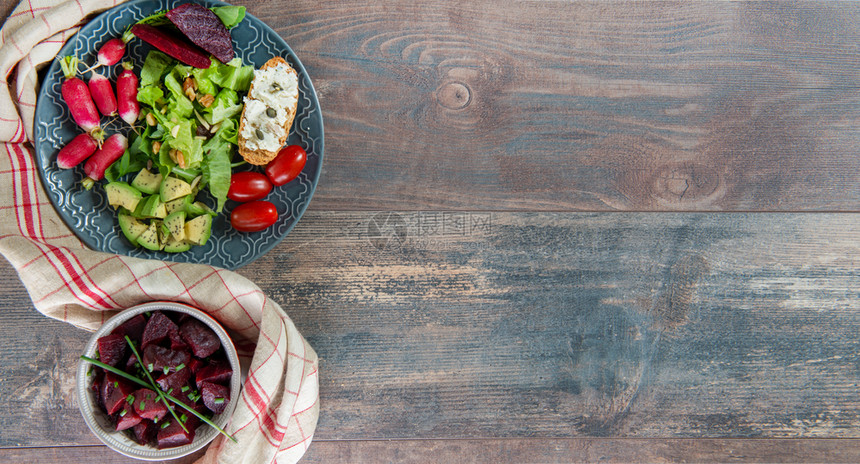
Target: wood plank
[583, 106]
[474, 325]
[552, 450]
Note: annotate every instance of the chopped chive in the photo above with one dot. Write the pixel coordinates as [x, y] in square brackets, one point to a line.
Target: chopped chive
[170, 392]
[165, 425]
[143, 405]
[90, 372]
[218, 400]
[155, 420]
[185, 389]
[151, 367]
[116, 384]
[123, 413]
[129, 399]
[183, 418]
[148, 314]
[180, 367]
[166, 370]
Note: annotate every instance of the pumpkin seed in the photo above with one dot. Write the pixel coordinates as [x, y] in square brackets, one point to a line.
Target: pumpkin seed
[259, 134]
[270, 112]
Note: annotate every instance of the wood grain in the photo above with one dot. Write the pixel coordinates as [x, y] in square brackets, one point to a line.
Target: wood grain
[533, 450]
[583, 106]
[472, 325]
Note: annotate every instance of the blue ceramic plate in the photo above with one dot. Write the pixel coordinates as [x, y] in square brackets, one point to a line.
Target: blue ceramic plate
[88, 214]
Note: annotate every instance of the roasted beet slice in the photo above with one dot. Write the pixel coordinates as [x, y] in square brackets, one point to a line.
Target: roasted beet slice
[172, 45]
[114, 391]
[176, 341]
[158, 329]
[112, 349]
[132, 361]
[132, 327]
[127, 418]
[195, 365]
[146, 406]
[214, 373]
[215, 396]
[204, 28]
[145, 432]
[157, 358]
[174, 380]
[173, 435]
[202, 340]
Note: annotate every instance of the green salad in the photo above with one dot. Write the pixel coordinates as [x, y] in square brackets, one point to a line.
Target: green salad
[185, 143]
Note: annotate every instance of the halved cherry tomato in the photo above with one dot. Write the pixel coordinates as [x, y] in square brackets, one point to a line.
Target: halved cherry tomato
[248, 186]
[254, 216]
[287, 165]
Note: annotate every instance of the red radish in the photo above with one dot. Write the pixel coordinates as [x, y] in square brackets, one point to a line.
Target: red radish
[126, 92]
[111, 150]
[79, 149]
[173, 45]
[77, 96]
[111, 52]
[102, 93]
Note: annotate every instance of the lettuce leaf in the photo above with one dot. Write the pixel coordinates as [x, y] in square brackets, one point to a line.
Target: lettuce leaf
[154, 67]
[230, 15]
[226, 105]
[150, 95]
[232, 75]
[217, 172]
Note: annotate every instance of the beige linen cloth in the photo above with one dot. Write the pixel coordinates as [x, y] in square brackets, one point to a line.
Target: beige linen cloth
[277, 412]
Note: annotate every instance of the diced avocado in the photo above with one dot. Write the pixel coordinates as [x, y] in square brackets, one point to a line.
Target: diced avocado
[131, 227]
[175, 205]
[198, 230]
[149, 238]
[175, 223]
[173, 188]
[195, 208]
[177, 246]
[122, 194]
[152, 208]
[163, 234]
[204, 207]
[147, 182]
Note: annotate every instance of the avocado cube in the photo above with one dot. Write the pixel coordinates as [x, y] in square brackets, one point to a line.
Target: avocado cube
[149, 238]
[198, 230]
[131, 227]
[175, 223]
[147, 182]
[173, 188]
[122, 194]
[152, 208]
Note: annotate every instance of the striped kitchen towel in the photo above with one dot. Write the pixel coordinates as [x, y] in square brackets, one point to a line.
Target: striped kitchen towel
[279, 406]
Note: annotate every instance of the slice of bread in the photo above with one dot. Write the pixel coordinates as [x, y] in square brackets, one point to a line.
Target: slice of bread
[259, 156]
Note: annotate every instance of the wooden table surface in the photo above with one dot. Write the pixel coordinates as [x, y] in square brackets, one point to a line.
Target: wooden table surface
[552, 231]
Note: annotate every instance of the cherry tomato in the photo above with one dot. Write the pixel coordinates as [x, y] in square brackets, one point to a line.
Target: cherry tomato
[248, 186]
[253, 216]
[287, 165]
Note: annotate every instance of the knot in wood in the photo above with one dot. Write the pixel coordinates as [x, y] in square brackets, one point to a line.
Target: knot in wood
[454, 95]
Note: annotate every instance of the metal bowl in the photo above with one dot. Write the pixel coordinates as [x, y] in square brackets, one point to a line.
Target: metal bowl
[98, 421]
